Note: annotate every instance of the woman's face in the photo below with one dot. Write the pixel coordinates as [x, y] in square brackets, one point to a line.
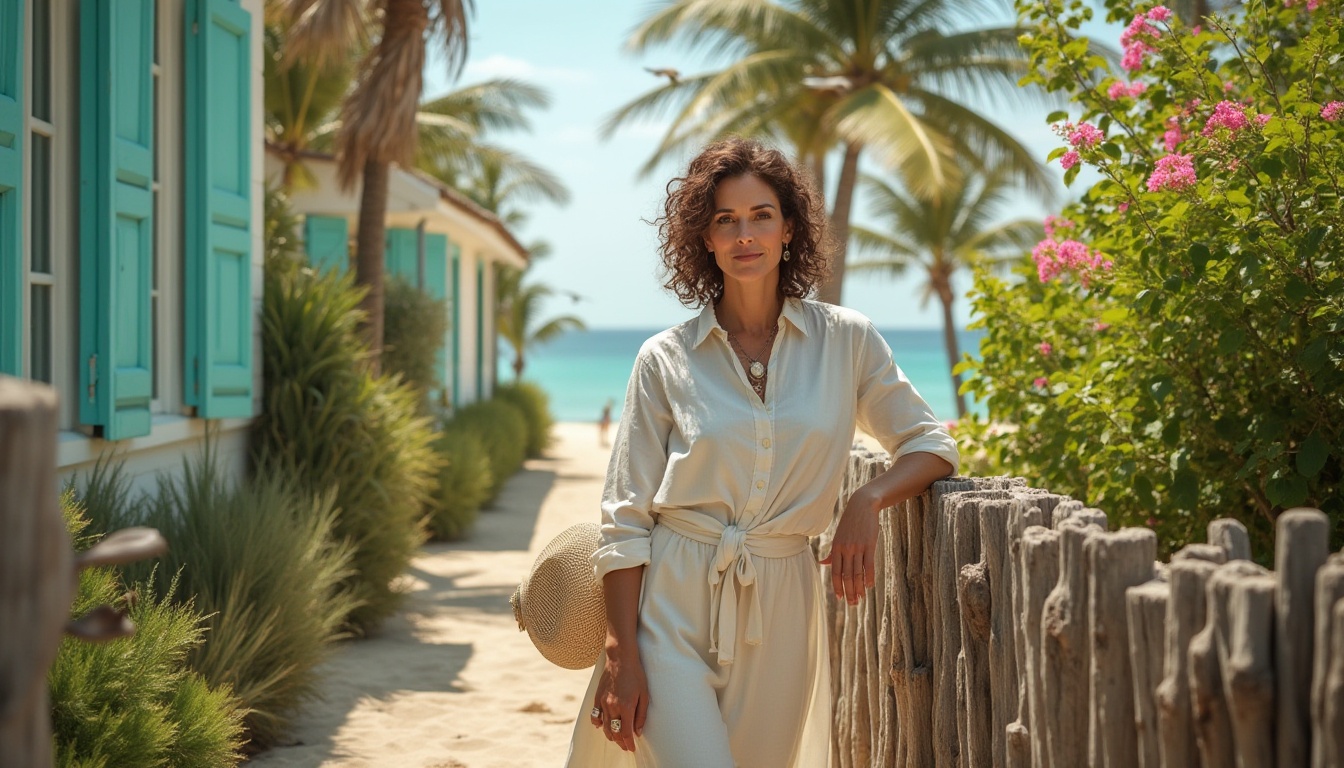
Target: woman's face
[747, 233]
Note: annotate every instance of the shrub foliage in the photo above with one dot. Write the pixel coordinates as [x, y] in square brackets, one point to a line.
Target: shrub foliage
[414, 325]
[260, 562]
[1176, 351]
[136, 701]
[464, 484]
[332, 427]
[532, 401]
[502, 430]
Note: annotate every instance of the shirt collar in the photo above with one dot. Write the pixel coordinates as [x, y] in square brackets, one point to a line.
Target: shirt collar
[707, 322]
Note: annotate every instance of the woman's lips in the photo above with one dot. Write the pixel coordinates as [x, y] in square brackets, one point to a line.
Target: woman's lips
[746, 257]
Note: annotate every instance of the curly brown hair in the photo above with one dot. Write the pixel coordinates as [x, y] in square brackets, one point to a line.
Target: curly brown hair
[691, 272]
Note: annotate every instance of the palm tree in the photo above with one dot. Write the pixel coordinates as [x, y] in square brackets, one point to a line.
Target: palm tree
[885, 76]
[943, 235]
[378, 117]
[497, 179]
[518, 307]
[300, 100]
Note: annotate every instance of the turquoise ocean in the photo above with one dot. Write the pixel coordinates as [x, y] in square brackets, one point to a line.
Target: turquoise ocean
[581, 370]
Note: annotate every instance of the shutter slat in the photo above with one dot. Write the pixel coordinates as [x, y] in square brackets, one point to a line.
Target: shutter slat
[219, 322]
[11, 178]
[116, 258]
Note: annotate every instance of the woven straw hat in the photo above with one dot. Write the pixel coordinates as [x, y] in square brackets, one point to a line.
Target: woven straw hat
[560, 602]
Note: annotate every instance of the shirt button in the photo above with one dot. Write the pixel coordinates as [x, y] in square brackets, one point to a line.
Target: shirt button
[766, 442]
[760, 484]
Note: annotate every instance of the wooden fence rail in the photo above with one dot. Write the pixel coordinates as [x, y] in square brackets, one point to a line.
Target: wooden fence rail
[1011, 629]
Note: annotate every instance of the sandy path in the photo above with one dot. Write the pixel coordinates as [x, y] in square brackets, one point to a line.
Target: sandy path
[450, 682]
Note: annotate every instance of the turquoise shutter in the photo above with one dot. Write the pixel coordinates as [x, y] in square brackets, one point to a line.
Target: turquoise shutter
[11, 176]
[218, 171]
[116, 169]
[455, 321]
[327, 240]
[436, 285]
[402, 254]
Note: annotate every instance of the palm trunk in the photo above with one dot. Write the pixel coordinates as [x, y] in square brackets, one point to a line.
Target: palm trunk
[944, 289]
[818, 166]
[833, 288]
[518, 366]
[370, 253]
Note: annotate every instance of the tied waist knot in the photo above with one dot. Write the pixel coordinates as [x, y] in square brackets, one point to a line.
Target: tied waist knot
[735, 558]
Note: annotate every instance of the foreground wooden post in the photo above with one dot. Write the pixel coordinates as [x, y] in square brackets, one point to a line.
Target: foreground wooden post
[1147, 608]
[37, 570]
[1188, 574]
[1327, 690]
[1065, 649]
[1301, 545]
[1116, 561]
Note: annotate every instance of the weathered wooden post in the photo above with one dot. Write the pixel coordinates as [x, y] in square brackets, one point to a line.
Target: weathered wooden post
[1040, 571]
[1116, 561]
[1327, 684]
[1065, 646]
[1188, 574]
[1301, 546]
[37, 571]
[1147, 609]
[1231, 535]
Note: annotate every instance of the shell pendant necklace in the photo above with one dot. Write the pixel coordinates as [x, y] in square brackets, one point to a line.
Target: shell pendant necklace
[756, 370]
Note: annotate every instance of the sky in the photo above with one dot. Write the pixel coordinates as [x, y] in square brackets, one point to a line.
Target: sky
[604, 263]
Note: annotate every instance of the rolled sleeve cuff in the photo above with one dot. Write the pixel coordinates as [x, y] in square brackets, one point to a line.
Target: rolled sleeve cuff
[938, 443]
[624, 553]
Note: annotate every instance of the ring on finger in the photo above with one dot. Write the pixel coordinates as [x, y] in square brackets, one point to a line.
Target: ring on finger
[596, 714]
[616, 725]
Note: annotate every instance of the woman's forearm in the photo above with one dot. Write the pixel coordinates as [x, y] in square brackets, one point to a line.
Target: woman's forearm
[621, 591]
[906, 478]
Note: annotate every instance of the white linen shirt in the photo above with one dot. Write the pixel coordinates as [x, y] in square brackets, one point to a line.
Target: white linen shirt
[694, 436]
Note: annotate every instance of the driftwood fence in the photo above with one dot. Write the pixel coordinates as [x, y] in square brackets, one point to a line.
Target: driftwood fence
[1009, 628]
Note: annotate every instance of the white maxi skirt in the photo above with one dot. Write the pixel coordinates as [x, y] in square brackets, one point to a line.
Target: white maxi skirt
[712, 594]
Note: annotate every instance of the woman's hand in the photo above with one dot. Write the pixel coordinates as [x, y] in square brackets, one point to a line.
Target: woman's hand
[855, 541]
[622, 695]
[851, 558]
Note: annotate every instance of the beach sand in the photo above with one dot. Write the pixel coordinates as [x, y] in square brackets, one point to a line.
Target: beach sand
[450, 682]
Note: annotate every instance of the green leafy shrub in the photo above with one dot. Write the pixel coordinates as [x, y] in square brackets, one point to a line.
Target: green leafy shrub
[1177, 353]
[414, 324]
[260, 562]
[136, 701]
[330, 426]
[535, 406]
[463, 483]
[502, 430]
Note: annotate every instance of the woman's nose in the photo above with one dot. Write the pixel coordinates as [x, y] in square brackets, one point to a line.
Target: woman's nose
[744, 232]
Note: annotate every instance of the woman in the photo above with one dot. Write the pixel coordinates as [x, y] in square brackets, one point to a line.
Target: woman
[730, 452]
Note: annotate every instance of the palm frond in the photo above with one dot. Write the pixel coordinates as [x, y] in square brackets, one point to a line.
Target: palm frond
[876, 117]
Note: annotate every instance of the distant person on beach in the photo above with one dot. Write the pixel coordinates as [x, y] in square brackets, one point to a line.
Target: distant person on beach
[732, 444]
[604, 424]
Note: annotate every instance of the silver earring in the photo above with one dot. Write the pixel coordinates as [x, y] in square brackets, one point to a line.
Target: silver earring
[787, 255]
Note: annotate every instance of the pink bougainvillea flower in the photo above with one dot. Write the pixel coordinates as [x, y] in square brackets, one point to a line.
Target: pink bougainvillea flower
[1069, 159]
[1041, 382]
[1174, 172]
[1122, 207]
[1085, 135]
[1332, 111]
[1045, 348]
[1054, 223]
[1227, 114]
[1120, 89]
[1173, 136]
[1160, 13]
[1099, 327]
[1262, 120]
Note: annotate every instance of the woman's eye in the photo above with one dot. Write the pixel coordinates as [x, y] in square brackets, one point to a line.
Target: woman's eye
[725, 220]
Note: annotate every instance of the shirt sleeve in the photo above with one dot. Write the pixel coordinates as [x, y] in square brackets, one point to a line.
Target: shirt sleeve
[892, 411]
[635, 473]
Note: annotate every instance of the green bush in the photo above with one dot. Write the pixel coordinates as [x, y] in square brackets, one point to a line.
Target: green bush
[260, 562]
[463, 486]
[136, 701]
[502, 430]
[531, 399]
[1177, 354]
[414, 324]
[330, 426]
